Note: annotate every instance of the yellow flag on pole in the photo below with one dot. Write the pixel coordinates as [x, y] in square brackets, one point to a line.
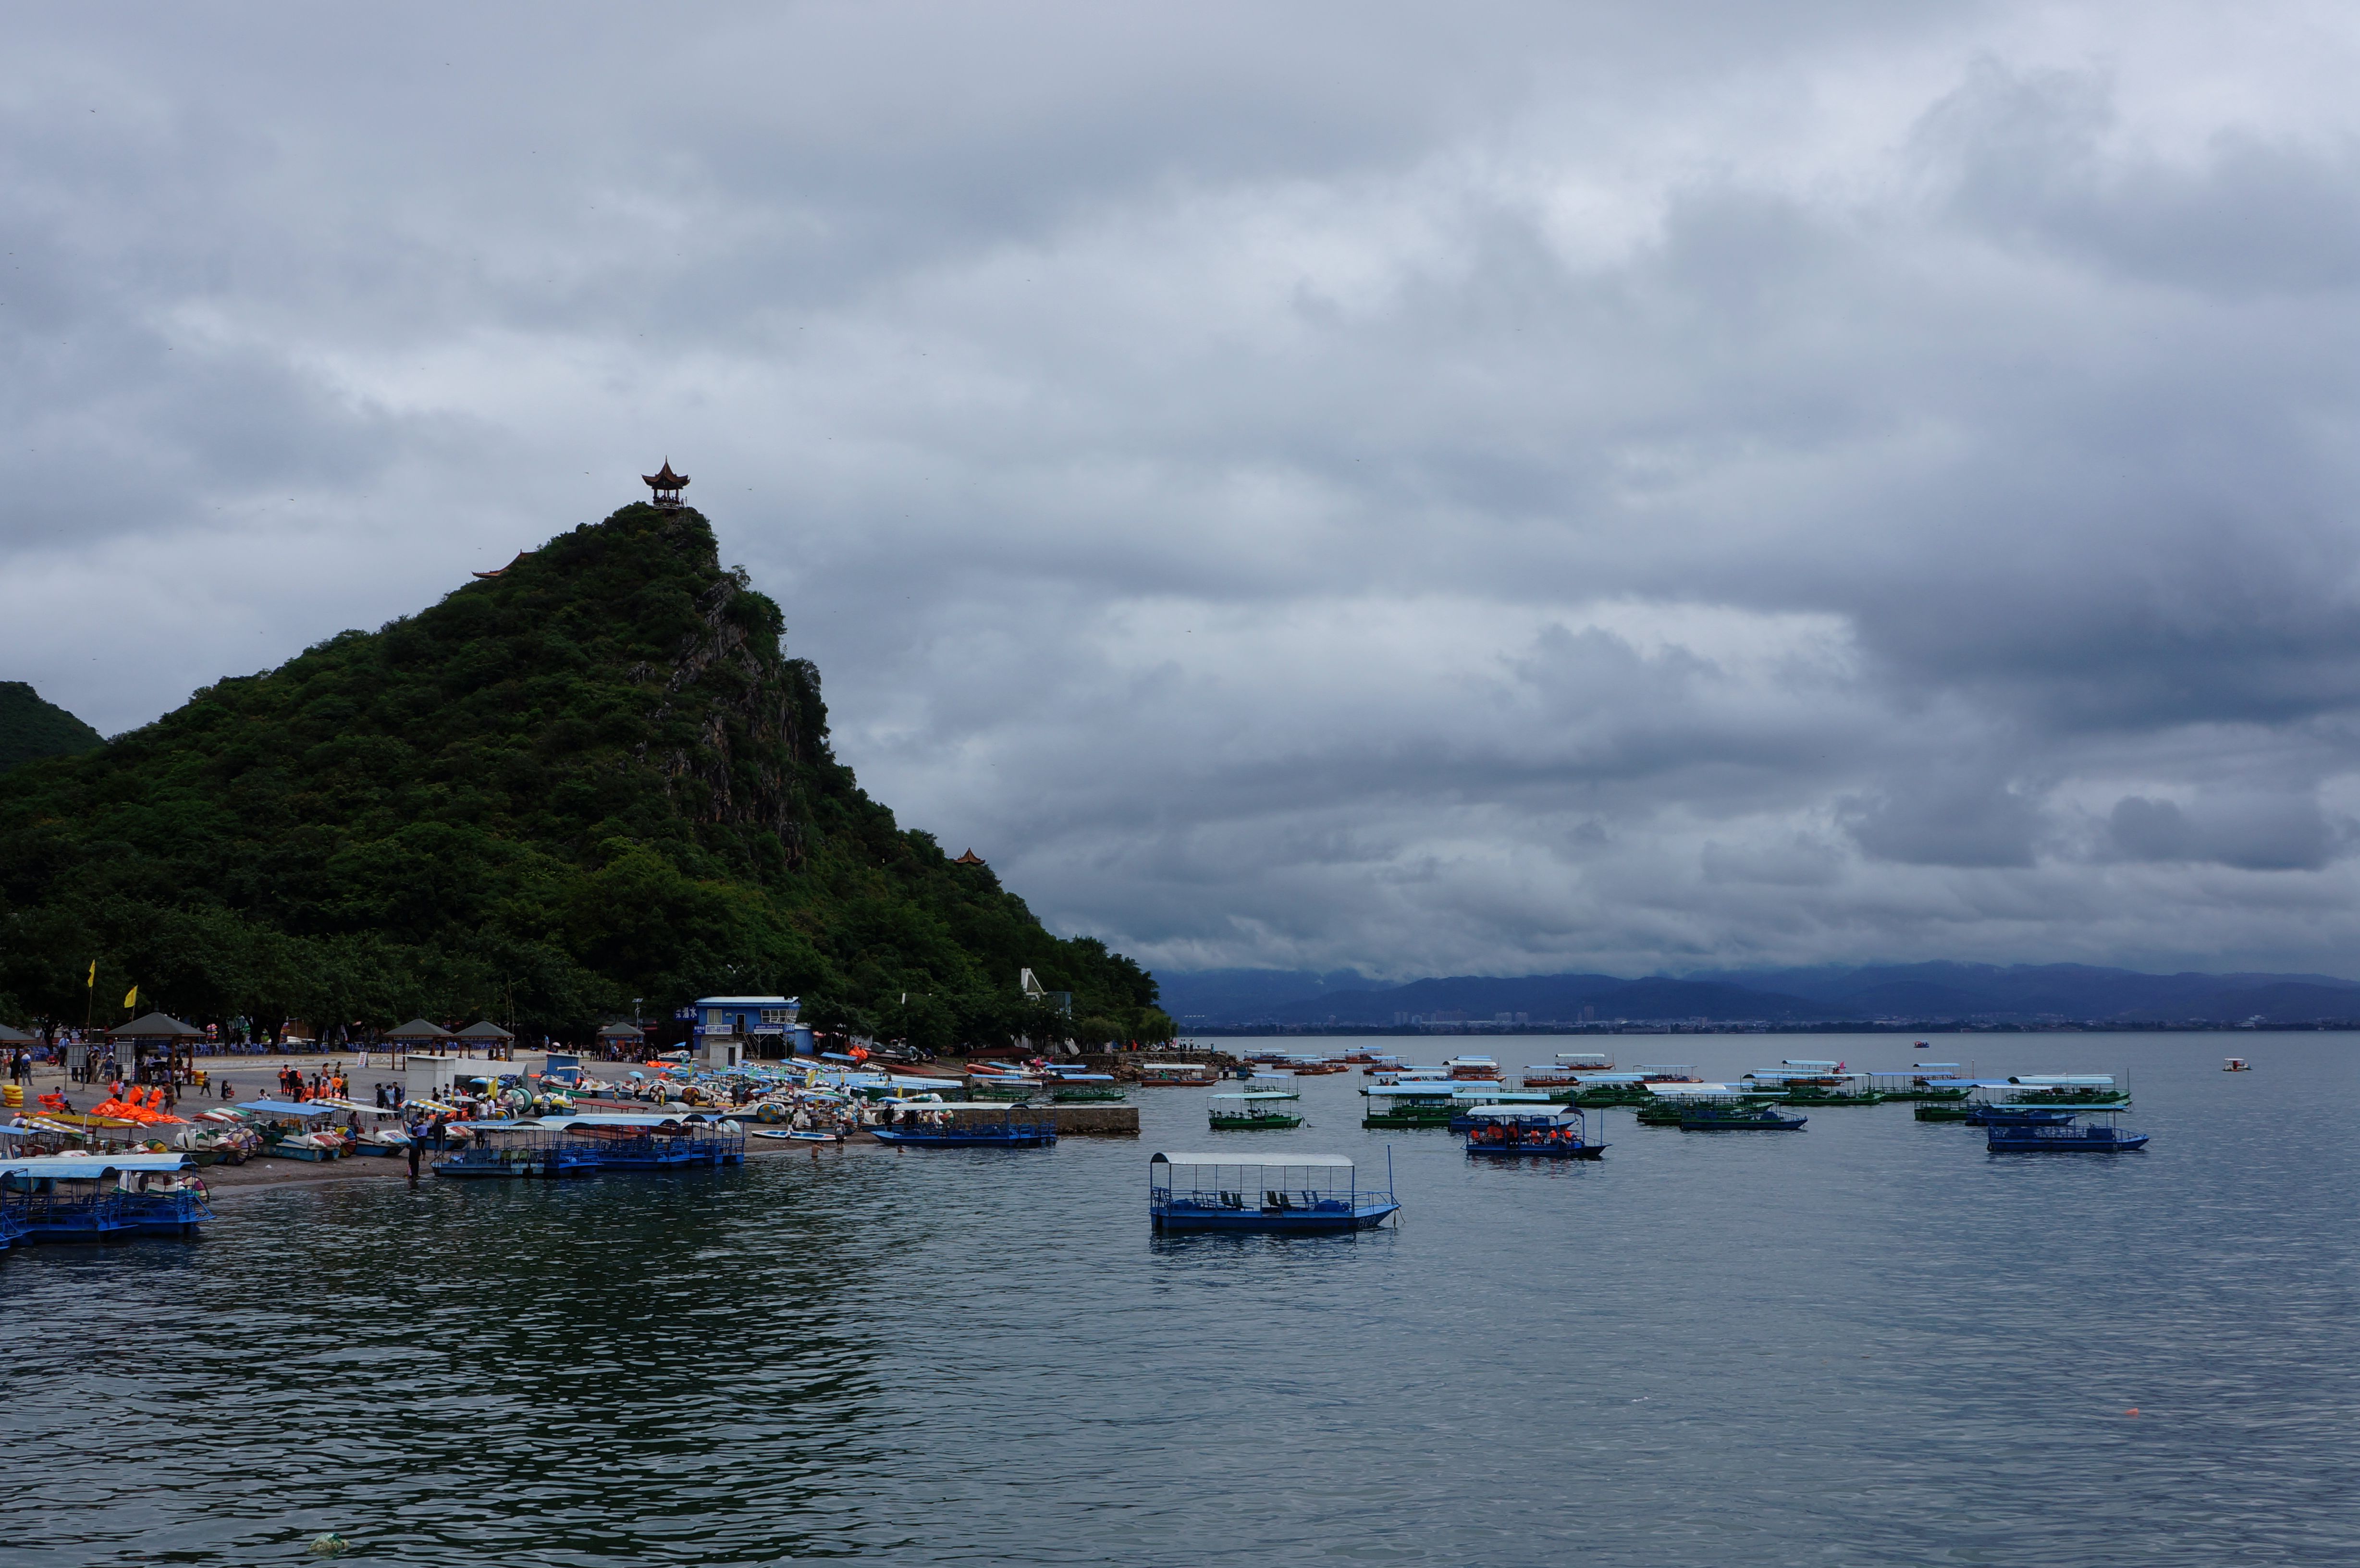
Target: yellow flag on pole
[94, 974]
[131, 997]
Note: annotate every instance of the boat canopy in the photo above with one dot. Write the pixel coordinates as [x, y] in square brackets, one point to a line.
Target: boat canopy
[1443, 1090]
[1252, 1094]
[287, 1108]
[1267, 1161]
[1492, 1095]
[2077, 1080]
[1806, 1062]
[558, 1124]
[91, 1167]
[1520, 1113]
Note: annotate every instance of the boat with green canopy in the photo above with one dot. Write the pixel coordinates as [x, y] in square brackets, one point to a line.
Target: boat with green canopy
[1667, 1103]
[1816, 1083]
[1929, 1083]
[1410, 1104]
[2066, 1089]
[1250, 1110]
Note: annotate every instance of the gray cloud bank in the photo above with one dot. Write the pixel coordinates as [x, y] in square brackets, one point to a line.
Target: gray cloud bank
[1443, 490]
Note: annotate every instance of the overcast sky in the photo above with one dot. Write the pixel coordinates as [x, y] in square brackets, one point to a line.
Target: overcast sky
[1439, 488]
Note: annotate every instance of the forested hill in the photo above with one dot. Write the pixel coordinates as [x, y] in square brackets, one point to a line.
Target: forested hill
[30, 728]
[593, 777]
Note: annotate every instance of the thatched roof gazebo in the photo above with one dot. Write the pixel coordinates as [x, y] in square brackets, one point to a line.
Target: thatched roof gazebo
[418, 1035]
[486, 1033]
[159, 1029]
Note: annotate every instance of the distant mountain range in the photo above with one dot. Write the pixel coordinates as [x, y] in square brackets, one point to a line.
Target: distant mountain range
[1913, 993]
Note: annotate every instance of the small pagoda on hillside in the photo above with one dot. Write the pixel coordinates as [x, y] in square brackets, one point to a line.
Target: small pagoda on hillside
[666, 484]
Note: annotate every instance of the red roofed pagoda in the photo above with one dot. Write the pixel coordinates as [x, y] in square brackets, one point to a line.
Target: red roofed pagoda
[666, 484]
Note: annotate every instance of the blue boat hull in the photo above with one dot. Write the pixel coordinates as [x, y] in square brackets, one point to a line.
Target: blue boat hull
[1021, 1138]
[1272, 1222]
[2017, 1140]
[175, 1215]
[1542, 1151]
[540, 1166]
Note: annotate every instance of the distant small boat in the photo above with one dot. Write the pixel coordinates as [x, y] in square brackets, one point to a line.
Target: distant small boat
[2237, 1064]
[799, 1135]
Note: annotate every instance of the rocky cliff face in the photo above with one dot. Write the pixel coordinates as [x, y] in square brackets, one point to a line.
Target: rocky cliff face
[750, 707]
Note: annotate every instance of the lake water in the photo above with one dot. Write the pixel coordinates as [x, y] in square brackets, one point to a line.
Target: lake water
[1866, 1343]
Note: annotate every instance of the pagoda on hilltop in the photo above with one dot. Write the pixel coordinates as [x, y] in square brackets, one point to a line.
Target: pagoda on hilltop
[969, 858]
[666, 484]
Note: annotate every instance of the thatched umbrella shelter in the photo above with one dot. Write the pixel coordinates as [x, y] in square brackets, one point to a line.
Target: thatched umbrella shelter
[156, 1030]
[486, 1033]
[418, 1033]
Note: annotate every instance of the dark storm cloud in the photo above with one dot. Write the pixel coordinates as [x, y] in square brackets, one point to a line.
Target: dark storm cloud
[1522, 487]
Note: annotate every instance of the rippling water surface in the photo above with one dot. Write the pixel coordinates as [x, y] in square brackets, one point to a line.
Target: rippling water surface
[1866, 1343]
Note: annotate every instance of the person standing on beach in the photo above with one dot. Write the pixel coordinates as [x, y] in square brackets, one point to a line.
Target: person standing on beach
[414, 1133]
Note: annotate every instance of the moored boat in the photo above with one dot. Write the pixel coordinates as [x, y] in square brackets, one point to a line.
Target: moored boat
[1549, 1132]
[1723, 1117]
[1284, 1194]
[1409, 1105]
[2094, 1089]
[2042, 1131]
[1174, 1075]
[512, 1151]
[2237, 1064]
[970, 1126]
[1667, 1103]
[1928, 1082]
[1250, 1110]
[102, 1197]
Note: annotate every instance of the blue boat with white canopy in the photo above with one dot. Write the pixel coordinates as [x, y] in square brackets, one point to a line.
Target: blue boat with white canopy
[622, 1141]
[1933, 1082]
[291, 1127]
[1470, 1098]
[1271, 1194]
[2029, 1130]
[513, 1150]
[76, 1197]
[970, 1126]
[1552, 1132]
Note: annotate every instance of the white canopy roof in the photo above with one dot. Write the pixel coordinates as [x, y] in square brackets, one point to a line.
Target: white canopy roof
[1321, 1161]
